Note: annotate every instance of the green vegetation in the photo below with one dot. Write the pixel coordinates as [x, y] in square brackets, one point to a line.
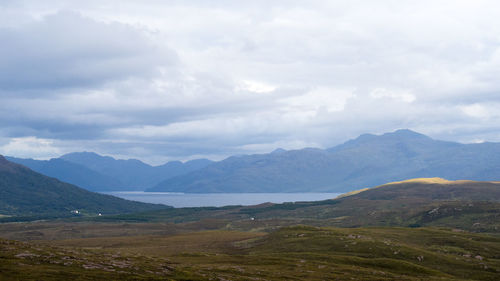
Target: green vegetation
[292, 253]
[26, 261]
[27, 195]
[467, 205]
[425, 229]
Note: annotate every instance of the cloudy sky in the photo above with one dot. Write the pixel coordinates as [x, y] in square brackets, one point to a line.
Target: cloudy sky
[164, 80]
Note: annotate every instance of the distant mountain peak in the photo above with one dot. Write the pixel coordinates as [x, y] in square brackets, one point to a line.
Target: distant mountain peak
[278, 150]
[364, 137]
[84, 154]
[406, 133]
[401, 134]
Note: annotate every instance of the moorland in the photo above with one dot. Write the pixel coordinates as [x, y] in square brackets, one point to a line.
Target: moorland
[425, 228]
[422, 229]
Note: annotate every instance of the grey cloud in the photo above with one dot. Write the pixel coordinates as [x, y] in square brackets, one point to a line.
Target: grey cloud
[101, 78]
[67, 50]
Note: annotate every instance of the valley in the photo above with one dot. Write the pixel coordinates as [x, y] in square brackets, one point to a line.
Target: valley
[249, 140]
[430, 229]
[427, 228]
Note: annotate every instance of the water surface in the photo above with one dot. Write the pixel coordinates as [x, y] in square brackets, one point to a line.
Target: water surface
[180, 200]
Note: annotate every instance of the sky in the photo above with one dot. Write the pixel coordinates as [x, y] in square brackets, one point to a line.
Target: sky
[179, 80]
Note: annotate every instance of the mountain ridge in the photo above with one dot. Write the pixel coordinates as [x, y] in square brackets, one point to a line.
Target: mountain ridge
[95, 172]
[70, 172]
[365, 161]
[25, 192]
[368, 160]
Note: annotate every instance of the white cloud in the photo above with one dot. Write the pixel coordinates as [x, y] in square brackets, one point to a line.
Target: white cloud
[475, 110]
[30, 147]
[318, 99]
[482, 111]
[255, 86]
[403, 95]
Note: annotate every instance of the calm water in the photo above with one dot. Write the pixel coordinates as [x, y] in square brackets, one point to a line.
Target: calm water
[180, 200]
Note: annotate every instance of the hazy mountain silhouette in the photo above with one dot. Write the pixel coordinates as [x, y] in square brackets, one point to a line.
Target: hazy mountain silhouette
[103, 173]
[24, 192]
[366, 161]
[72, 173]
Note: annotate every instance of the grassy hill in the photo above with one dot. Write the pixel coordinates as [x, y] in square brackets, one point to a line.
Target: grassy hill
[419, 229]
[469, 205]
[25, 193]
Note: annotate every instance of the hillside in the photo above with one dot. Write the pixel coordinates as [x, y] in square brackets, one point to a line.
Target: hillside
[133, 173]
[469, 205]
[419, 229]
[24, 192]
[71, 173]
[290, 253]
[369, 160]
[103, 173]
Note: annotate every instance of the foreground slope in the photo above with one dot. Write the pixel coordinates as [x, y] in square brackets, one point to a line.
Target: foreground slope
[24, 192]
[469, 205]
[369, 160]
[26, 261]
[290, 253]
[263, 242]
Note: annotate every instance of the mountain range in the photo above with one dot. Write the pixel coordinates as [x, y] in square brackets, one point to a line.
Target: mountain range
[26, 193]
[366, 161]
[103, 173]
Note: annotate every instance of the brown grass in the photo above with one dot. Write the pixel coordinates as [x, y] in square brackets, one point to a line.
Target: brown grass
[206, 242]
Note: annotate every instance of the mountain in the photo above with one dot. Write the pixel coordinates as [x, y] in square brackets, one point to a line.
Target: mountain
[103, 173]
[72, 173]
[24, 192]
[368, 160]
[133, 173]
